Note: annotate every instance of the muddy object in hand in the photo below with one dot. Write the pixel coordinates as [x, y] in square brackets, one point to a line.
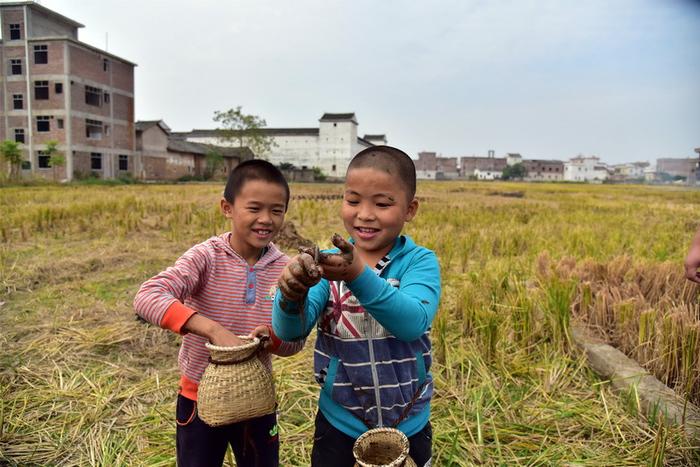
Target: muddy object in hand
[346, 251]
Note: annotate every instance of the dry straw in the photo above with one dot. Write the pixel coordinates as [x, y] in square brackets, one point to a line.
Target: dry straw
[236, 386]
[382, 447]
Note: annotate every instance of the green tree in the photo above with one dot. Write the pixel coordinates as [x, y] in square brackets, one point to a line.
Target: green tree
[244, 130]
[13, 155]
[214, 160]
[515, 171]
[56, 158]
[286, 166]
[319, 176]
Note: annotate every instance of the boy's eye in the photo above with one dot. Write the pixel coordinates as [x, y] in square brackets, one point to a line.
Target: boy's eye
[352, 202]
[277, 212]
[383, 205]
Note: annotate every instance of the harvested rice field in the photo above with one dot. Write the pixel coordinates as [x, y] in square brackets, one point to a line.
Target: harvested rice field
[83, 383]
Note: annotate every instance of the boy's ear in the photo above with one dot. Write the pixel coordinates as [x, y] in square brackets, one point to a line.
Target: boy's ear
[226, 208]
[412, 209]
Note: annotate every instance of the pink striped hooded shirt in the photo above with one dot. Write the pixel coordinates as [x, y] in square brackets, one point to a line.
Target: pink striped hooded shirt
[213, 280]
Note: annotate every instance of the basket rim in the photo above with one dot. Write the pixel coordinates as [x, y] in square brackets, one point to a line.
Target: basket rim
[252, 343]
[405, 445]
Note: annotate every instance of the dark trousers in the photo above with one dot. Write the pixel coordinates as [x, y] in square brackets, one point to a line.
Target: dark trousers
[333, 448]
[254, 442]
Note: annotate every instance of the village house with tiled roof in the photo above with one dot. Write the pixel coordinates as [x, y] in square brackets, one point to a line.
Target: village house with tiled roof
[330, 146]
[167, 156]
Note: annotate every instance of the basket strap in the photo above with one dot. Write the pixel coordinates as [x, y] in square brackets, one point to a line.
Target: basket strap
[410, 405]
[261, 345]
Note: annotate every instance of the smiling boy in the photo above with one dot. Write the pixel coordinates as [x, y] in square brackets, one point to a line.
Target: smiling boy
[215, 292]
[373, 308]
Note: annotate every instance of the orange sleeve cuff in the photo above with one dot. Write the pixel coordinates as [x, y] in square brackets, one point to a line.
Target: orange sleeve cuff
[188, 388]
[176, 316]
[276, 341]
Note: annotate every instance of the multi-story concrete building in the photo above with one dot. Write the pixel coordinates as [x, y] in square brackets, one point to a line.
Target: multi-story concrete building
[542, 170]
[483, 168]
[585, 169]
[329, 147]
[430, 166]
[678, 167]
[630, 171]
[56, 88]
[426, 165]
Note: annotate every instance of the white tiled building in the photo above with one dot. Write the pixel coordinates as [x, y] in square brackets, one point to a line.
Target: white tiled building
[330, 146]
[585, 169]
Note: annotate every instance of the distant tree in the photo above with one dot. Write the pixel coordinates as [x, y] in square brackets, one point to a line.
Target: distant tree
[244, 129]
[56, 158]
[513, 172]
[286, 166]
[665, 177]
[11, 153]
[214, 160]
[319, 176]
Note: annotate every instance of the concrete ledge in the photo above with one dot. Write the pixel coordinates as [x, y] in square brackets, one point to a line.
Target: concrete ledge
[626, 374]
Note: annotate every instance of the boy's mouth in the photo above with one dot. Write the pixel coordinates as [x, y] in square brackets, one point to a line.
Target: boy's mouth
[262, 233]
[366, 233]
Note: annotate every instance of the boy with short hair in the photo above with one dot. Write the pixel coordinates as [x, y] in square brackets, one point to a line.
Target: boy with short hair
[374, 307]
[217, 290]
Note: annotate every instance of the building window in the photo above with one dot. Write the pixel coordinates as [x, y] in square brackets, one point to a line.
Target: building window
[17, 101]
[93, 129]
[333, 169]
[15, 33]
[105, 64]
[41, 54]
[16, 66]
[123, 162]
[43, 160]
[41, 90]
[59, 123]
[106, 130]
[43, 124]
[95, 161]
[19, 135]
[106, 97]
[58, 87]
[93, 96]
[26, 165]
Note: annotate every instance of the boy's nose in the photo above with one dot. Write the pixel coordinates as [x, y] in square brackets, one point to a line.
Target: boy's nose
[365, 213]
[264, 218]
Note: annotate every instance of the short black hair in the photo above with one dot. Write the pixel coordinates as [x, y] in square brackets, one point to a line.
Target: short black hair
[391, 160]
[254, 169]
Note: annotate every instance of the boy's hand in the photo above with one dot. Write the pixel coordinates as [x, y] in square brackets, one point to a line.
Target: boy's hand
[692, 262]
[262, 332]
[298, 276]
[225, 338]
[344, 266]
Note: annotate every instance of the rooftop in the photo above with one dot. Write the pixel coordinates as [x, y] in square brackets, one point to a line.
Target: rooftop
[180, 145]
[216, 133]
[330, 117]
[143, 125]
[43, 9]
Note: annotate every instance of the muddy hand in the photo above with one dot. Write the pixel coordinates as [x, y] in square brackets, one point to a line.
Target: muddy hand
[344, 266]
[298, 276]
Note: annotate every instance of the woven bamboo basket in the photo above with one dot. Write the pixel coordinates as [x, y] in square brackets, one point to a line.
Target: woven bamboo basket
[236, 386]
[382, 447]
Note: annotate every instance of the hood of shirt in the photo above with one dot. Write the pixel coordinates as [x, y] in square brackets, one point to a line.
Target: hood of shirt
[222, 242]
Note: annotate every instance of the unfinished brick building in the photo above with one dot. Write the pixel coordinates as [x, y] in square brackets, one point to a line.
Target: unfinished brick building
[55, 87]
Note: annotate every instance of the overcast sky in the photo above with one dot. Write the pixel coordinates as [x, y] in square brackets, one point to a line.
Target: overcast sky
[549, 79]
